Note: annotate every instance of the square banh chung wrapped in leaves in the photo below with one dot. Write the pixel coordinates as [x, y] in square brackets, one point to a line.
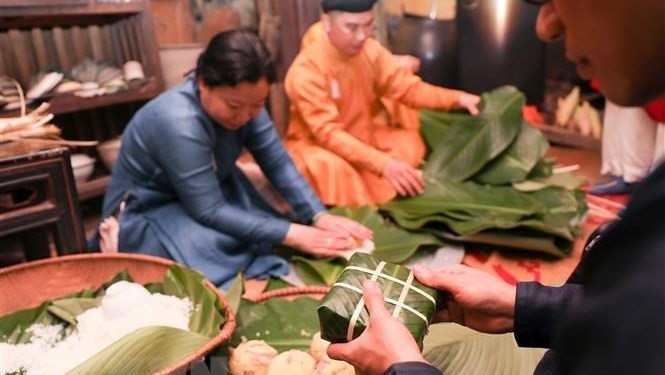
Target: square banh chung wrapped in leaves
[342, 312]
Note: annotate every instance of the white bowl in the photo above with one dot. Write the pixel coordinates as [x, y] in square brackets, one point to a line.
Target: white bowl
[82, 166]
[108, 151]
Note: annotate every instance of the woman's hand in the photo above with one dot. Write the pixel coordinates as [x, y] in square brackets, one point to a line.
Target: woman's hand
[318, 242]
[469, 102]
[384, 342]
[341, 224]
[477, 300]
[406, 180]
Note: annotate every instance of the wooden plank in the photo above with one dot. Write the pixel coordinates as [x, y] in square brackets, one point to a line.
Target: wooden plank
[114, 45]
[105, 43]
[95, 37]
[124, 42]
[22, 57]
[295, 21]
[133, 39]
[62, 49]
[78, 44]
[86, 42]
[173, 21]
[7, 59]
[39, 47]
[51, 51]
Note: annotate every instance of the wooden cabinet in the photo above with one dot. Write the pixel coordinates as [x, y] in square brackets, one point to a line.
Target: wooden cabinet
[42, 34]
[38, 199]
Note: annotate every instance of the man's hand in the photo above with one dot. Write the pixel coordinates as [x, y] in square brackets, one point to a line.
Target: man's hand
[469, 102]
[477, 300]
[406, 180]
[384, 342]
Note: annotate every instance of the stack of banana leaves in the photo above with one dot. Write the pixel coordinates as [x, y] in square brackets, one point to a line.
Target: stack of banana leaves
[488, 181]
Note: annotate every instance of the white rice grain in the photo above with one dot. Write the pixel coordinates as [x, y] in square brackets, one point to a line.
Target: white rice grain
[44, 355]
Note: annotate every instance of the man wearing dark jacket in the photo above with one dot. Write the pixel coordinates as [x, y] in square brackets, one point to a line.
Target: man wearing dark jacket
[610, 317]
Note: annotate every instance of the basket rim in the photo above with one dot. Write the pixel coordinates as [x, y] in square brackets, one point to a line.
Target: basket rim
[224, 333]
[75, 257]
[288, 292]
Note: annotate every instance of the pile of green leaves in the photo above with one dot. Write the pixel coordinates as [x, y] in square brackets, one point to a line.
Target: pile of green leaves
[136, 353]
[487, 181]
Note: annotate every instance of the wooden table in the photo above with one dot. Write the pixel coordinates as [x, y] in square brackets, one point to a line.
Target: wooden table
[38, 198]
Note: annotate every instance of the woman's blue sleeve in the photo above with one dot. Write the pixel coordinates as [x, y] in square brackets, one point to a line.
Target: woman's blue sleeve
[269, 152]
[185, 153]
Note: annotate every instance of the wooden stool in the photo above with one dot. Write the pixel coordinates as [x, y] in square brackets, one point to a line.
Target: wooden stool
[37, 197]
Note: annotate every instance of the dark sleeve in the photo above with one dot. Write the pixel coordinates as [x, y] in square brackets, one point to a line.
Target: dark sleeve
[412, 368]
[538, 310]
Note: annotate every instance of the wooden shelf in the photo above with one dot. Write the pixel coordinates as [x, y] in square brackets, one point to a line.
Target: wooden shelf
[38, 34]
[67, 103]
[23, 13]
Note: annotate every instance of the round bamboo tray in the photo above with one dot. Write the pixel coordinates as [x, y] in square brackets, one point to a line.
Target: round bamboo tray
[29, 284]
[314, 291]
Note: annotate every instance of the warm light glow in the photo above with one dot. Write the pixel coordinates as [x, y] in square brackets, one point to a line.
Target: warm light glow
[501, 12]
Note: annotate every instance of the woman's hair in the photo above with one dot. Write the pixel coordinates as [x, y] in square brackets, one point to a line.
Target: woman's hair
[233, 57]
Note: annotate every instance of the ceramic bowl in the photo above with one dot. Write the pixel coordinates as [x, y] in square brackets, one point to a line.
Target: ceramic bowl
[82, 166]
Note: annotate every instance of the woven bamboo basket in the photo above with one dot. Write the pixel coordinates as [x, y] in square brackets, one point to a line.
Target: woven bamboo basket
[29, 284]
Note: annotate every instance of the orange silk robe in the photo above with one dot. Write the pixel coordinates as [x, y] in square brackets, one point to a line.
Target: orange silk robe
[339, 133]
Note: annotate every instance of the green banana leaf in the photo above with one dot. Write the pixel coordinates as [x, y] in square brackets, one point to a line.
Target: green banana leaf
[234, 294]
[457, 350]
[543, 168]
[392, 244]
[513, 192]
[183, 282]
[283, 324]
[519, 239]
[68, 309]
[518, 160]
[557, 214]
[143, 352]
[564, 180]
[565, 211]
[462, 211]
[471, 143]
[491, 203]
[205, 323]
[435, 125]
[318, 271]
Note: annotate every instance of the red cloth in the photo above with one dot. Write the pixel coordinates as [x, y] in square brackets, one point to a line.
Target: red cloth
[513, 267]
[656, 109]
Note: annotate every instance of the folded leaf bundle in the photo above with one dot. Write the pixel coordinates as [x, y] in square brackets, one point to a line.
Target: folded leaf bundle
[342, 313]
[471, 142]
